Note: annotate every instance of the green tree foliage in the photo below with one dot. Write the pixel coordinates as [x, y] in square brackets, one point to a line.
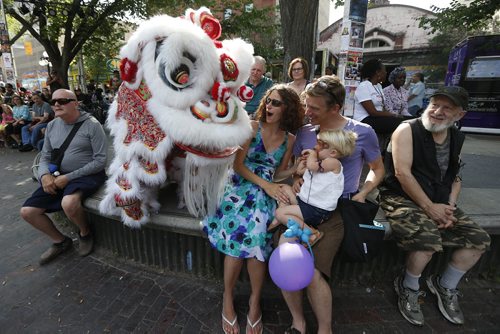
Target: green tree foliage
[101, 50]
[471, 16]
[73, 24]
[255, 25]
[455, 23]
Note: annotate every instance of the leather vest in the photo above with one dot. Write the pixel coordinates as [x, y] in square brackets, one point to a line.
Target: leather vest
[425, 167]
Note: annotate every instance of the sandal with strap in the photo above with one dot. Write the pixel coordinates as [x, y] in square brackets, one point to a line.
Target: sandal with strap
[255, 324]
[233, 324]
[292, 330]
[316, 236]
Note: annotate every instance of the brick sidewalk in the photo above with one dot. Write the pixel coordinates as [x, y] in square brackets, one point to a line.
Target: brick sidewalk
[101, 294]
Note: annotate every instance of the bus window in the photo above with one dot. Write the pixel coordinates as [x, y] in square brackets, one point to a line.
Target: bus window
[483, 68]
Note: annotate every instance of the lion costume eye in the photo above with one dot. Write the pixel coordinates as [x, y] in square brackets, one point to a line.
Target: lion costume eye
[181, 76]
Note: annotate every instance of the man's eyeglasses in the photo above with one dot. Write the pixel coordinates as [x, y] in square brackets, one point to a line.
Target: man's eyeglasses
[324, 86]
[274, 103]
[61, 102]
[297, 69]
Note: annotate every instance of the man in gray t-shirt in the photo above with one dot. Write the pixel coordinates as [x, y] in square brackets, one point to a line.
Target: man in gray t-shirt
[42, 115]
[65, 183]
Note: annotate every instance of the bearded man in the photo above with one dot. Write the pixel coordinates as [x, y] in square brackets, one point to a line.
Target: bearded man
[419, 196]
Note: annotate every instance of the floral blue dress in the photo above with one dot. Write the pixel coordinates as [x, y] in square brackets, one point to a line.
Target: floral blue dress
[239, 226]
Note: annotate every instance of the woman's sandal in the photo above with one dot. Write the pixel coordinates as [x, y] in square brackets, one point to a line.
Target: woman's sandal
[233, 324]
[292, 330]
[255, 324]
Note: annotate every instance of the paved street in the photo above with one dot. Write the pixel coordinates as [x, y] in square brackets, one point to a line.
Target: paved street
[103, 294]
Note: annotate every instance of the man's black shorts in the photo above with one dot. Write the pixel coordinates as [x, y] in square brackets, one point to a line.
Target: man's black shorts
[87, 185]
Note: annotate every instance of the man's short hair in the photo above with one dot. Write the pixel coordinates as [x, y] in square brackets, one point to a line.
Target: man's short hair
[260, 60]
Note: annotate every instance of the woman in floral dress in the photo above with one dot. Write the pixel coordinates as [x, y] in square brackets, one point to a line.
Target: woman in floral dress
[239, 226]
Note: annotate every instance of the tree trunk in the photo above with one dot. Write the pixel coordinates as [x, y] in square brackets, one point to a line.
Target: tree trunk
[299, 22]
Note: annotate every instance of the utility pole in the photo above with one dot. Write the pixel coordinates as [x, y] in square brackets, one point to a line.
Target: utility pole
[351, 49]
[8, 68]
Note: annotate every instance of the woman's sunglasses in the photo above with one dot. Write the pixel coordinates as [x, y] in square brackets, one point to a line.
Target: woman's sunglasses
[274, 103]
[60, 101]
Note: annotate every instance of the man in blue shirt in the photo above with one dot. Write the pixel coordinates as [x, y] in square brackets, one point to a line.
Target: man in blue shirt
[416, 94]
[259, 83]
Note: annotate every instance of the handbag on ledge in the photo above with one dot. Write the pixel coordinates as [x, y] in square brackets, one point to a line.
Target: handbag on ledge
[363, 237]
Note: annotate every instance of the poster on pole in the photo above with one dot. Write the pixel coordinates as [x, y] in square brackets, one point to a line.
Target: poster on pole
[357, 10]
[7, 60]
[345, 36]
[351, 49]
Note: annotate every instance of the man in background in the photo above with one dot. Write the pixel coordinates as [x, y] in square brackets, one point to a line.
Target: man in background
[42, 115]
[416, 94]
[259, 83]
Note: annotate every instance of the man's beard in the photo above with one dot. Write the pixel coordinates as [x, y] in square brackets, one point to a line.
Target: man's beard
[426, 121]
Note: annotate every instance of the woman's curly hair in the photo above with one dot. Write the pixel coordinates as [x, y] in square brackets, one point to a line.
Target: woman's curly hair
[293, 112]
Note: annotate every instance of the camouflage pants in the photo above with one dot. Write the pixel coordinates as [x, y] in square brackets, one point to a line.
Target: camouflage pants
[413, 230]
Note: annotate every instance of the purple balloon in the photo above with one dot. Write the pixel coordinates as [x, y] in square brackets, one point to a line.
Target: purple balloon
[291, 266]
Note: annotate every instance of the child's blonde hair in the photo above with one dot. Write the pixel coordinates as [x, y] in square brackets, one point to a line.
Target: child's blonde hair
[342, 141]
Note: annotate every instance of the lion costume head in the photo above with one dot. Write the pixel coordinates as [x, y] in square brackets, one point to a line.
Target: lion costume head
[181, 88]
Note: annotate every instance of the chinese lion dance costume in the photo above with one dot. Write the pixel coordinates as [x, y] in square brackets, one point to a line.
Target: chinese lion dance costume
[182, 89]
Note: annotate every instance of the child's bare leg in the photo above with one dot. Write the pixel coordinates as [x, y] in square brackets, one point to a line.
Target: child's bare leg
[288, 212]
[292, 201]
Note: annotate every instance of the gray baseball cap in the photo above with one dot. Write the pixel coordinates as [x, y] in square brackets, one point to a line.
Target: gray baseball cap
[457, 94]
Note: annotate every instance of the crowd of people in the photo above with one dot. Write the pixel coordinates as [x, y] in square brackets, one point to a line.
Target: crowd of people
[303, 156]
[25, 115]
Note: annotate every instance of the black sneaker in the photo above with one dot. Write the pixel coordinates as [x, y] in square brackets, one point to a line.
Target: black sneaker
[55, 250]
[26, 148]
[408, 302]
[447, 300]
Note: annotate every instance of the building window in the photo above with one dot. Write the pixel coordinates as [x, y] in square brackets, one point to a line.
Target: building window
[375, 43]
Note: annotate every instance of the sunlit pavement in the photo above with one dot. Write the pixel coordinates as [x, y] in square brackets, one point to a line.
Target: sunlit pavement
[101, 294]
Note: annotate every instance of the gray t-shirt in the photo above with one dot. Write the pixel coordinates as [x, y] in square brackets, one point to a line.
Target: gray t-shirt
[443, 155]
[39, 111]
[85, 155]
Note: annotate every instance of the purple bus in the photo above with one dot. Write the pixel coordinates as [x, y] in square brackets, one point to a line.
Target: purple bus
[474, 64]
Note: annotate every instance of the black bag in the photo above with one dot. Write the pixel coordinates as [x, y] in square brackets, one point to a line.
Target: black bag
[363, 238]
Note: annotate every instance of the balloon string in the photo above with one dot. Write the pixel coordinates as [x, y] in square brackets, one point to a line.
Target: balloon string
[310, 250]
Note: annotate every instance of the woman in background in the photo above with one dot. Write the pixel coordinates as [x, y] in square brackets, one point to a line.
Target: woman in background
[396, 96]
[22, 116]
[298, 71]
[369, 100]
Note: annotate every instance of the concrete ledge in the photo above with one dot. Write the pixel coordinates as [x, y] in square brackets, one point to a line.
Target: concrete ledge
[180, 221]
[170, 217]
[174, 241]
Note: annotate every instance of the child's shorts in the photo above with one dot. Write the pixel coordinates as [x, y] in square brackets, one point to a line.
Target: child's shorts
[312, 215]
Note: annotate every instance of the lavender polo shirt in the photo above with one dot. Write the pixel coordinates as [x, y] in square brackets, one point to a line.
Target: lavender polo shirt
[367, 150]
